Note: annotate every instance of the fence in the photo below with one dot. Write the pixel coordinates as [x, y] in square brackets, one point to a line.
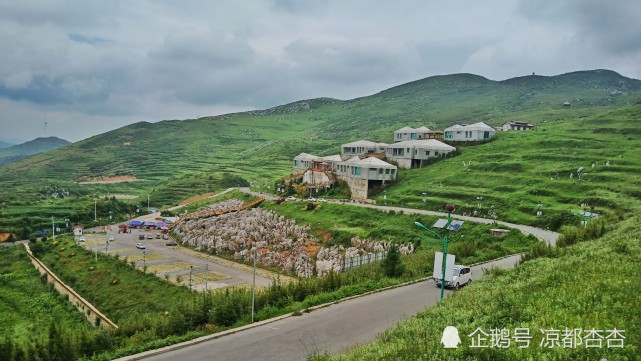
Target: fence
[87, 309]
[357, 261]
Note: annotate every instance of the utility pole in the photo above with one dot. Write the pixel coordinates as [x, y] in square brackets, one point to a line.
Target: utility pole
[254, 285]
[191, 269]
[147, 202]
[95, 210]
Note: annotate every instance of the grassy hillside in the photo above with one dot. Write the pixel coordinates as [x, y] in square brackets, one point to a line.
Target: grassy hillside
[589, 285]
[176, 159]
[520, 170]
[14, 153]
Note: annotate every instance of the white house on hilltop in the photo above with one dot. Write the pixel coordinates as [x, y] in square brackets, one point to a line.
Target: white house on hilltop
[412, 153]
[359, 173]
[476, 132]
[407, 133]
[361, 147]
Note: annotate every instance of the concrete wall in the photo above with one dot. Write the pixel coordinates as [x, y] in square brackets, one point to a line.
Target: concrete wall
[87, 309]
[358, 187]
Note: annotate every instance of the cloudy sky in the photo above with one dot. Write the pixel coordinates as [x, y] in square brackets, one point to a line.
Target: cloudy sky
[86, 67]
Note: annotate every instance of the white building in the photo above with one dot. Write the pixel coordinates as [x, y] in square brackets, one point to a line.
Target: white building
[407, 133]
[517, 125]
[413, 153]
[303, 162]
[476, 132]
[360, 174]
[360, 148]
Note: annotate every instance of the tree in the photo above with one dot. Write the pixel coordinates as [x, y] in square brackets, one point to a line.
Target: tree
[11, 238]
[392, 265]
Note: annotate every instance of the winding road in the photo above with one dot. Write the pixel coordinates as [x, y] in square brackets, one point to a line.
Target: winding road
[335, 328]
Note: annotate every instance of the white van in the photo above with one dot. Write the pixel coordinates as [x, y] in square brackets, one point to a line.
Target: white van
[462, 276]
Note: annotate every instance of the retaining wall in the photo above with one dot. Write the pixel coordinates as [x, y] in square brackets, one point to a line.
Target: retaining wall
[87, 309]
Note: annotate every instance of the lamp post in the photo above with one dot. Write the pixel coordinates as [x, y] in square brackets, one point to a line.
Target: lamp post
[539, 213]
[444, 242]
[424, 199]
[385, 196]
[480, 201]
[67, 222]
[95, 209]
[53, 229]
[107, 248]
[254, 284]
[110, 213]
[144, 262]
[191, 270]
[147, 202]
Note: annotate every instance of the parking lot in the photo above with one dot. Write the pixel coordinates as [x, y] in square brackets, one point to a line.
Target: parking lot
[175, 263]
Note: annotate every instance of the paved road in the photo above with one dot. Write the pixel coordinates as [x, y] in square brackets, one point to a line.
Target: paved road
[333, 329]
[542, 234]
[549, 237]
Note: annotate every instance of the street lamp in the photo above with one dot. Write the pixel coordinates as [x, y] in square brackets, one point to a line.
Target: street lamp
[53, 229]
[480, 200]
[107, 248]
[424, 194]
[191, 269]
[448, 225]
[539, 213]
[110, 213]
[144, 262]
[67, 222]
[254, 284]
[95, 209]
[385, 196]
[147, 202]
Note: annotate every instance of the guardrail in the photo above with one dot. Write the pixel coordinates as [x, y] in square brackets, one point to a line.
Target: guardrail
[90, 312]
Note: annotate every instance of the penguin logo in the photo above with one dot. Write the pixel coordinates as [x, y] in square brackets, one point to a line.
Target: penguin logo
[450, 337]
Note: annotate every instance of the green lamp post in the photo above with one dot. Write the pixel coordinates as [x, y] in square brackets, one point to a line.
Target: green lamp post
[444, 241]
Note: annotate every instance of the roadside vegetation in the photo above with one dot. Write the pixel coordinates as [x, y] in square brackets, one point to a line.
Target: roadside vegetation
[29, 306]
[588, 285]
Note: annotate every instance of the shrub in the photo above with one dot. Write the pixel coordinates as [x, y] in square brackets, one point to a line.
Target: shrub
[392, 265]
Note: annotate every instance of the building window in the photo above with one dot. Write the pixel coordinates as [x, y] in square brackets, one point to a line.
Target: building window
[358, 170]
[486, 135]
[412, 135]
[295, 163]
[427, 153]
[386, 171]
[436, 153]
[392, 171]
[380, 170]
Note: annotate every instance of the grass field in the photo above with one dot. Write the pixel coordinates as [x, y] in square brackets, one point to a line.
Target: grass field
[519, 170]
[590, 285]
[28, 306]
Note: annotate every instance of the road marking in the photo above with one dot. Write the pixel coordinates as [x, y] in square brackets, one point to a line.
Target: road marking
[273, 328]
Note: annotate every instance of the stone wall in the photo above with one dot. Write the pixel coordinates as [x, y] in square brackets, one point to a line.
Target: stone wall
[358, 187]
[87, 309]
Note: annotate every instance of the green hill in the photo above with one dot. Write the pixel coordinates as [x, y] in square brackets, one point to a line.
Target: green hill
[5, 144]
[14, 153]
[175, 159]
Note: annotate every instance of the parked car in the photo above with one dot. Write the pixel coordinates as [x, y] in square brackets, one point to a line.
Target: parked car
[171, 243]
[112, 238]
[150, 236]
[157, 235]
[140, 246]
[311, 199]
[322, 200]
[291, 198]
[462, 276]
[141, 237]
[165, 236]
[82, 239]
